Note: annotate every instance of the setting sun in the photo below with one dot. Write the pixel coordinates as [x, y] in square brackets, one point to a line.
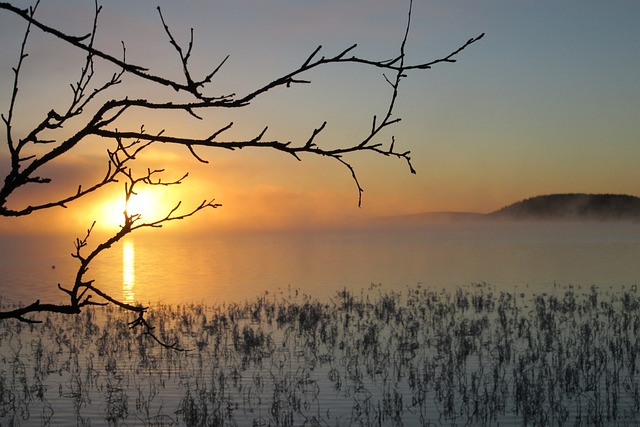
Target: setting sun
[147, 204]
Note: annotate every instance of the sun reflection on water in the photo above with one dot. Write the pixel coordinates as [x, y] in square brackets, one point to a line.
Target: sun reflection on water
[128, 272]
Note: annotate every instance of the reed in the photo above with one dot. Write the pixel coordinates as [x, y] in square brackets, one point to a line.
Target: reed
[471, 355]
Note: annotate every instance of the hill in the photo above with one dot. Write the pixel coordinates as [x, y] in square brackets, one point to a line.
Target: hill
[573, 207]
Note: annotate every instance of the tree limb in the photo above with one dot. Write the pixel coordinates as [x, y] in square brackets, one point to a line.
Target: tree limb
[101, 125]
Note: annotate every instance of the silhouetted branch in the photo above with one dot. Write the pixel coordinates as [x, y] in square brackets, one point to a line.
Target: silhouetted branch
[83, 290]
[78, 43]
[26, 164]
[106, 115]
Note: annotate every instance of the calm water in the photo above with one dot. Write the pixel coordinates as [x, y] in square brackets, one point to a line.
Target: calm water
[453, 353]
[163, 267]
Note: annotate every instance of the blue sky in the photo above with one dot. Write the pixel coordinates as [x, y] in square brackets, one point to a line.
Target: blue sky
[547, 102]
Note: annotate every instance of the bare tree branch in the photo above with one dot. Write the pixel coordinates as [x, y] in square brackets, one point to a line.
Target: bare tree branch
[24, 173]
[96, 119]
[78, 42]
[192, 87]
[83, 290]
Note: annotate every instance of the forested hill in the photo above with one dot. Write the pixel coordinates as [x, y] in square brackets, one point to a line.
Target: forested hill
[573, 207]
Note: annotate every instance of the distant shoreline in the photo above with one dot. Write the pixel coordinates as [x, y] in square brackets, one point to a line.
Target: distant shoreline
[571, 207]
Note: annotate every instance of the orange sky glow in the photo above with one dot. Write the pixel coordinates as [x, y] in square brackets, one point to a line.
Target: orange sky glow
[546, 103]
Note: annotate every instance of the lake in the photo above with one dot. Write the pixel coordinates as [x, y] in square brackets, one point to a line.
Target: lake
[220, 268]
[454, 324]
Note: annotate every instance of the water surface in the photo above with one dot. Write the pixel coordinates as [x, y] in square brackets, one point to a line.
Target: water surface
[216, 268]
[537, 345]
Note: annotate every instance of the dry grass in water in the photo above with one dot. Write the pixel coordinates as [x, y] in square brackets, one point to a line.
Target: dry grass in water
[467, 356]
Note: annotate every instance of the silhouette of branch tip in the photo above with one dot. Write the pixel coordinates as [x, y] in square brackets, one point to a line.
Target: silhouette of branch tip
[140, 321]
[25, 320]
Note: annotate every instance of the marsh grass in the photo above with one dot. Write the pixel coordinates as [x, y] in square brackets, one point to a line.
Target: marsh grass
[466, 356]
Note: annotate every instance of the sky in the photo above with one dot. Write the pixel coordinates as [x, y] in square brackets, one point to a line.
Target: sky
[547, 102]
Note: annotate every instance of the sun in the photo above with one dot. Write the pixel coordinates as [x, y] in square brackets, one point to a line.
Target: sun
[148, 205]
[144, 204]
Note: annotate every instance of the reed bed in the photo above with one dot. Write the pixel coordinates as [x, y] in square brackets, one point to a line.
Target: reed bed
[424, 356]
